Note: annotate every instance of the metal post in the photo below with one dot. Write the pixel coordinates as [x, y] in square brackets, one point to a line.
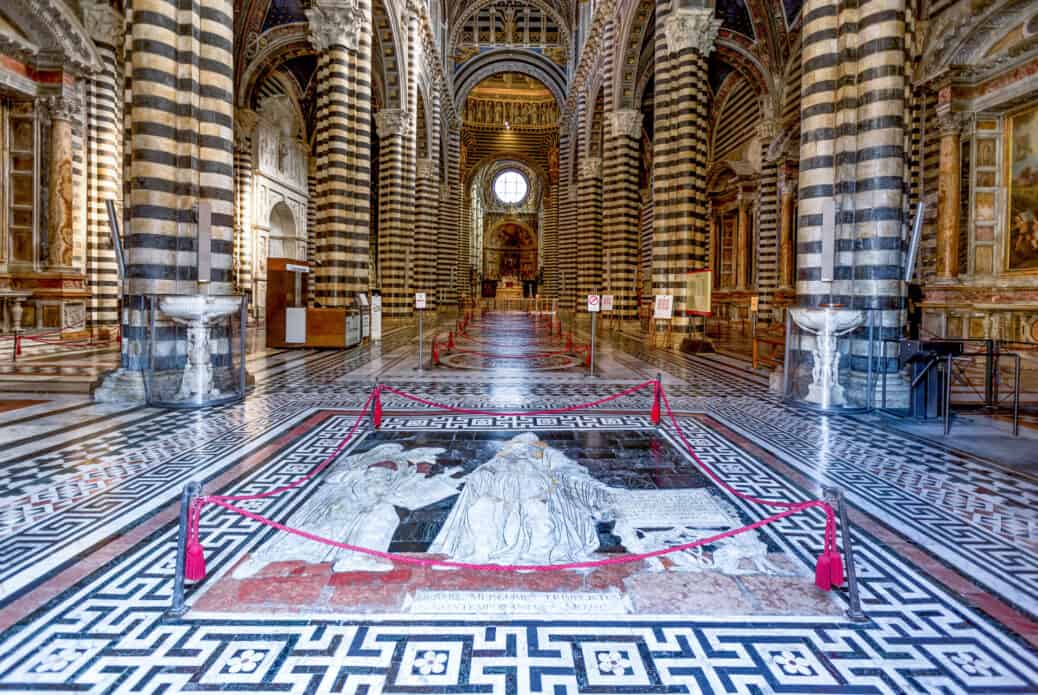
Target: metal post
[989, 366]
[243, 319]
[947, 393]
[591, 367]
[785, 359]
[854, 611]
[192, 490]
[1016, 396]
[421, 339]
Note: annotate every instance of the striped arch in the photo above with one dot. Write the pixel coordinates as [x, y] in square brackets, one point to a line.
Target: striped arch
[278, 44]
[389, 53]
[501, 60]
[630, 40]
[457, 25]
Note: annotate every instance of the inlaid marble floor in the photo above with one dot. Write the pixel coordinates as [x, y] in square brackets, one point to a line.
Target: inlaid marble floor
[947, 543]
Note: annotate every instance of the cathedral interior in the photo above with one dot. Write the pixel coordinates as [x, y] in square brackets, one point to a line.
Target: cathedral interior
[518, 346]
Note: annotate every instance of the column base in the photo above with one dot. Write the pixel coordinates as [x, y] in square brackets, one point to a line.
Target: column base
[898, 390]
[121, 386]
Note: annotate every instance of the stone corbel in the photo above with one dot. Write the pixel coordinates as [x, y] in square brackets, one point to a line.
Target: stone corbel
[335, 23]
[390, 122]
[687, 28]
[626, 122]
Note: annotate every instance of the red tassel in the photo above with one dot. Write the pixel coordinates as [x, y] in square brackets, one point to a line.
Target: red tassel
[823, 572]
[18, 345]
[436, 353]
[376, 415]
[450, 340]
[836, 568]
[587, 361]
[655, 415]
[194, 561]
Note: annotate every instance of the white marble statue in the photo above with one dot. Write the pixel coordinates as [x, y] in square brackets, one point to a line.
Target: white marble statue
[356, 504]
[528, 505]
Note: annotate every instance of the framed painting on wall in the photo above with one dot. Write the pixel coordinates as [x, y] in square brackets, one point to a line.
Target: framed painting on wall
[1021, 251]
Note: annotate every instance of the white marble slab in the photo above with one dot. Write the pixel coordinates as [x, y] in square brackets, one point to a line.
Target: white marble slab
[695, 508]
[432, 602]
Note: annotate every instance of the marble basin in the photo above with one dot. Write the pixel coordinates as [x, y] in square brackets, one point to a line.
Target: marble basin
[827, 324]
[197, 311]
[198, 307]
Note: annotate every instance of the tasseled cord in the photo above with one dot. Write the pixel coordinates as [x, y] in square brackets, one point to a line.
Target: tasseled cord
[376, 410]
[194, 556]
[829, 567]
[654, 416]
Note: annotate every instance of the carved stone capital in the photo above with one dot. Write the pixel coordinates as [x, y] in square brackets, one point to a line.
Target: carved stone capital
[390, 122]
[335, 23]
[245, 121]
[590, 167]
[787, 185]
[425, 168]
[950, 123]
[104, 23]
[64, 107]
[691, 28]
[767, 130]
[626, 122]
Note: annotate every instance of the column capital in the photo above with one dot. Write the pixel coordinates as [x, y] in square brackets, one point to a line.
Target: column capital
[104, 23]
[335, 23]
[768, 130]
[626, 122]
[245, 121]
[63, 107]
[390, 122]
[686, 28]
[425, 168]
[590, 167]
[787, 185]
[950, 123]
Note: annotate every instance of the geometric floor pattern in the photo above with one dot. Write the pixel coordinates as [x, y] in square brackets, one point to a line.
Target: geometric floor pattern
[108, 632]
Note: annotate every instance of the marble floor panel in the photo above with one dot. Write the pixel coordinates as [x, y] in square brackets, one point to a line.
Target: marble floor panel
[946, 542]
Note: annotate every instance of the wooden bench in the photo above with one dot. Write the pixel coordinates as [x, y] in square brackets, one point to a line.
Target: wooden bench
[773, 354]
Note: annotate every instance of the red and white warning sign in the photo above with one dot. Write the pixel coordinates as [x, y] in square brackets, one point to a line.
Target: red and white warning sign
[594, 303]
[664, 307]
[607, 302]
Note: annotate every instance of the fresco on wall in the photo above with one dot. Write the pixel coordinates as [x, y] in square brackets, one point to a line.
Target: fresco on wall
[1022, 251]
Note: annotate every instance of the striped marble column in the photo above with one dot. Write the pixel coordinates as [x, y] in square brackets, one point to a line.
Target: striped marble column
[879, 183]
[311, 229]
[244, 126]
[104, 180]
[427, 211]
[567, 233]
[448, 256]
[394, 200]
[341, 34]
[589, 230]
[179, 79]
[621, 211]
[684, 39]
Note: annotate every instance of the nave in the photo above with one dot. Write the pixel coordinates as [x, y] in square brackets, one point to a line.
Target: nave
[943, 541]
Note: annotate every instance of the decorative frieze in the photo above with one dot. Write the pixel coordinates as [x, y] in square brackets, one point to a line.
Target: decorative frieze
[626, 122]
[687, 28]
[335, 23]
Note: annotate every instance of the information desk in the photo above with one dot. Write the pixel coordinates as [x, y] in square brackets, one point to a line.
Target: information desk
[291, 323]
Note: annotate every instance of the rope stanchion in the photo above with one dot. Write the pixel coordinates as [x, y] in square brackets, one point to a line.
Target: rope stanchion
[435, 353]
[829, 567]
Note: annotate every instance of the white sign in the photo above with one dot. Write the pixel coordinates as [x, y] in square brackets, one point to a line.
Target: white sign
[593, 303]
[376, 317]
[516, 603]
[664, 308]
[419, 300]
[293, 268]
[754, 303]
[692, 508]
[607, 302]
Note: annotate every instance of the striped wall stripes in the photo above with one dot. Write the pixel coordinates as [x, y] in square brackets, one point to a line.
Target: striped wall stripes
[767, 242]
[243, 239]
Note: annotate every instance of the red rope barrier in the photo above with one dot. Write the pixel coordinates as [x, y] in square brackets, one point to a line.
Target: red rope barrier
[828, 569]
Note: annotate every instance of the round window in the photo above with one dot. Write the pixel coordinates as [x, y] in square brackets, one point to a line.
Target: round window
[510, 187]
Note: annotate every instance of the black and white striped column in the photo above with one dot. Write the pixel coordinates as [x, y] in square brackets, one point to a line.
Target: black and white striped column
[620, 210]
[684, 39]
[395, 202]
[341, 33]
[589, 230]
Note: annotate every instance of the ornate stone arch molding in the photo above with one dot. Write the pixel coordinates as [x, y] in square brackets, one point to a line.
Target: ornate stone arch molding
[509, 60]
[391, 53]
[491, 164]
[961, 38]
[272, 48]
[55, 31]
